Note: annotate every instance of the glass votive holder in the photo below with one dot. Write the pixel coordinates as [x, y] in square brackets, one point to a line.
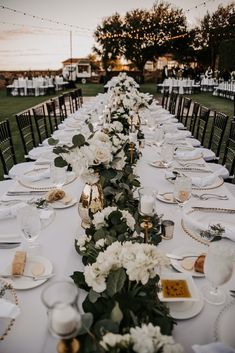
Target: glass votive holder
[167, 229]
[61, 301]
[146, 201]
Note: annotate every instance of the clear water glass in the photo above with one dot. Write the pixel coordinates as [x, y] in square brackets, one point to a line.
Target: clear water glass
[29, 222]
[182, 189]
[57, 175]
[218, 269]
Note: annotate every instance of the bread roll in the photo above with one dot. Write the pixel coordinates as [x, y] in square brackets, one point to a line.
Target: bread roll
[18, 263]
[55, 195]
[199, 263]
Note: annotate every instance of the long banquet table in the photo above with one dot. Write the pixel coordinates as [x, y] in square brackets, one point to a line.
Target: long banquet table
[29, 332]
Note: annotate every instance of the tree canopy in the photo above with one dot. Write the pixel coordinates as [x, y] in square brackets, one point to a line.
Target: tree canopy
[142, 35]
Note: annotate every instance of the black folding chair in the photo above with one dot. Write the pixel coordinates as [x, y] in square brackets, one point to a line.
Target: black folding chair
[53, 118]
[194, 117]
[217, 132]
[185, 111]
[202, 123]
[24, 122]
[7, 152]
[40, 122]
[229, 153]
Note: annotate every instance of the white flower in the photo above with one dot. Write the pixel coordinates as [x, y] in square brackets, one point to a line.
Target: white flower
[102, 152]
[82, 240]
[112, 340]
[117, 126]
[100, 243]
[130, 221]
[101, 136]
[94, 278]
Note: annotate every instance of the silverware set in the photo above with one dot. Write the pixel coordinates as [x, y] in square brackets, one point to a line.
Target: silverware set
[207, 196]
[34, 278]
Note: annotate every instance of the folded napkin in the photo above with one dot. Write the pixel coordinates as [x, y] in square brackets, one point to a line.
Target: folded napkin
[8, 309]
[215, 347]
[10, 211]
[199, 226]
[45, 174]
[10, 238]
[206, 181]
[188, 154]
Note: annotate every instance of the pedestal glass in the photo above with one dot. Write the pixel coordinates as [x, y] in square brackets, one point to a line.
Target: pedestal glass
[218, 269]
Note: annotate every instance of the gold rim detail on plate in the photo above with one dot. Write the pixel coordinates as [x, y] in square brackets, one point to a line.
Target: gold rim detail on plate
[219, 183]
[198, 238]
[10, 288]
[43, 188]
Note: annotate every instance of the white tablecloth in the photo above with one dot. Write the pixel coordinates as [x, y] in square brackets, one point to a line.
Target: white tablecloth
[29, 332]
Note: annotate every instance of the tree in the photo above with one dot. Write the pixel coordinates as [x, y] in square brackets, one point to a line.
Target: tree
[143, 35]
[214, 29]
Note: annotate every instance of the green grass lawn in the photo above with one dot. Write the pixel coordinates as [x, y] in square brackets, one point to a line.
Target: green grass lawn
[9, 106]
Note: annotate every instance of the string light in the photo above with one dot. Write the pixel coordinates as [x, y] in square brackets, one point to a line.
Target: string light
[42, 19]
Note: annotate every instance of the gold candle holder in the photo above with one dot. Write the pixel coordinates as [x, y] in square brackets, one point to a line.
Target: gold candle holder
[70, 345]
[146, 225]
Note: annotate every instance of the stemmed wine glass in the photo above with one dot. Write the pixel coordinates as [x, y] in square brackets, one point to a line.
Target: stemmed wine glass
[29, 222]
[182, 190]
[167, 154]
[158, 137]
[218, 269]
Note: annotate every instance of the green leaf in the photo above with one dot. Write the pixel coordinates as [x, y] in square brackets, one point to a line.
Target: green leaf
[91, 128]
[86, 322]
[52, 142]
[116, 314]
[93, 296]
[115, 281]
[103, 326]
[60, 162]
[78, 140]
[79, 280]
[115, 217]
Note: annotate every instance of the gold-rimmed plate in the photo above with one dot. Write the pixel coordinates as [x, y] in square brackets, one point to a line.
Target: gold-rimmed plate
[200, 218]
[7, 292]
[43, 184]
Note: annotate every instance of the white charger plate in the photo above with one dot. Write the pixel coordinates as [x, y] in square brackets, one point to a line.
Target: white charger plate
[224, 325]
[44, 184]
[185, 251]
[23, 283]
[186, 310]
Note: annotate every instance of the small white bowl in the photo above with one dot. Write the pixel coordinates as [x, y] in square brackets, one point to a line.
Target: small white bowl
[193, 290]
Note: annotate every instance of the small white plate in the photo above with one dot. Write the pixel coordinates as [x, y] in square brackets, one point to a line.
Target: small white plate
[194, 296]
[186, 252]
[60, 205]
[159, 164]
[28, 283]
[167, 197]
[186, 310]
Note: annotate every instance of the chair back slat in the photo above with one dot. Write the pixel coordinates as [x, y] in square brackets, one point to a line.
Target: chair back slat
[7, 152]
[25, 126]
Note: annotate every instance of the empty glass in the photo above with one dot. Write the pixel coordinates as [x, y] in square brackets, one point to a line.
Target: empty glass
[167, 154]
[57, 175]
[29, 222]
[159, 137]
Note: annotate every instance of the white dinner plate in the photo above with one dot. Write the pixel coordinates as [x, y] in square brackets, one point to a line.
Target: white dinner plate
[167, 197]
[224, 325]
[23, 283]
[60, 205]
[184, 251]
[186, 310]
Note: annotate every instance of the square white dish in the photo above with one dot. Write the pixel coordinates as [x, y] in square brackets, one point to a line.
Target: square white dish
[193, 290]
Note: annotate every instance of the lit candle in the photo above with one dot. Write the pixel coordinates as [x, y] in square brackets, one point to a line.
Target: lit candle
[64, 319]
[147, 204]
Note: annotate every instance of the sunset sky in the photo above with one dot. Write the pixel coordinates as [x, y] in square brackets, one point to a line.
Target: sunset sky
[28, 42]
